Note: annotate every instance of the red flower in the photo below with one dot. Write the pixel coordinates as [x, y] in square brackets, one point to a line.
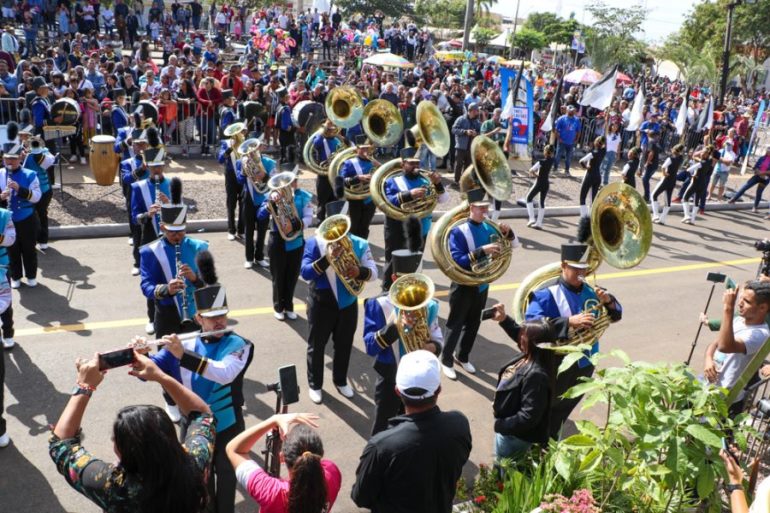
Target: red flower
[481, 499]
[500, 486]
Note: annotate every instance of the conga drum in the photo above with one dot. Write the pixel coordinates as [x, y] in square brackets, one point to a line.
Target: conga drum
[103, 160]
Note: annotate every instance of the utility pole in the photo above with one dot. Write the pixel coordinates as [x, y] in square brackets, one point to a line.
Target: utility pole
[726, 52]
[515, 24]
[468, 25]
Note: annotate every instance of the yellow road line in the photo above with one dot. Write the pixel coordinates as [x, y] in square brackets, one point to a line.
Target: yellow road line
[251, 312]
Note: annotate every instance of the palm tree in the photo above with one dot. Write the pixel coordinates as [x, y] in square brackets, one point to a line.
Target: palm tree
[482, 8]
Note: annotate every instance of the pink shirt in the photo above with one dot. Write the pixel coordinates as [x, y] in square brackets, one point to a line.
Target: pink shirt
[272, 494]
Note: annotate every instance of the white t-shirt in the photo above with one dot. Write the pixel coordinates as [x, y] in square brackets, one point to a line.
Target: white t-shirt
[761, 502]
[613, 142]
[731, 365]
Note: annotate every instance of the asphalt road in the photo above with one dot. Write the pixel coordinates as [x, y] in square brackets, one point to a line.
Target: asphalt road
[88, 302]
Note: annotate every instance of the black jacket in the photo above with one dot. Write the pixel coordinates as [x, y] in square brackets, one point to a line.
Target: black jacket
[522, 401]
[414, 465]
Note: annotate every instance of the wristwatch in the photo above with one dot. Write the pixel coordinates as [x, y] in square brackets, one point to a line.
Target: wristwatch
[79, 390]
[730, 488]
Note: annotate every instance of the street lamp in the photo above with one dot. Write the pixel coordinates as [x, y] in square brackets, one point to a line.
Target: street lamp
[728, 40]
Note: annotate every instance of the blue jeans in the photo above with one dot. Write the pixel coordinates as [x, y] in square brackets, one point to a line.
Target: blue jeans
[510, 447]
[428, 161]
[751, 182]
[564, 150]
[609, 160]
[646, 177]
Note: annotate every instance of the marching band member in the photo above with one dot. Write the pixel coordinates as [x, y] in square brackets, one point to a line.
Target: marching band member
[20, 192]
[569, 304]
[286, 255]
[592, 162]
[381, 338]
[540, 171]
[251, 205]
[7, 238]
[213, 367]
[470, 243]
[118, 114]
[168, 269]
[228, 156]
[132, 170]
[700, 172]
[41, 161]
[331, 309]
[355, 171]
[669, 169]
[125, 135]
[40, 106]
[325, 144]
[632, 165]
[410, 186]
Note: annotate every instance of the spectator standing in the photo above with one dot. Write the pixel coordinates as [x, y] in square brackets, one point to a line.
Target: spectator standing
[567, 128]
[464, 129]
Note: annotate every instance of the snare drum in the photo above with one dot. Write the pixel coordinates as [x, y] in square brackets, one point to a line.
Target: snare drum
[104, 161]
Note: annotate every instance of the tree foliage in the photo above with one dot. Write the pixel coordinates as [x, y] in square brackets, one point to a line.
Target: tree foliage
[553, 28]
[482, 36]
[528, 39]
[441, 13]
[611, 38]
[394, 8]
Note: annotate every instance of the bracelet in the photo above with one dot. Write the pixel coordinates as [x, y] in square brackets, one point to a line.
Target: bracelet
[730, 488]
[86, 386]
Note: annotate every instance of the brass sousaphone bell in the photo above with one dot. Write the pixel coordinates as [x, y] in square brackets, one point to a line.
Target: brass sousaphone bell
[412, 293]
[344, 106]
[235, 132]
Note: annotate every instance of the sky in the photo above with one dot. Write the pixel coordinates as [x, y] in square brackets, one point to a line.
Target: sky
[663, 17]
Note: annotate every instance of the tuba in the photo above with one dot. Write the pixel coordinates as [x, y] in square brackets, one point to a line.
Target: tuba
[489, 170]
[251, 163]
[283, 210]
[235, 132]
[310, 157]
[344, 106]
[431, 130]
[382, 123]
[334, 232]
[621, 234]
[412, 293]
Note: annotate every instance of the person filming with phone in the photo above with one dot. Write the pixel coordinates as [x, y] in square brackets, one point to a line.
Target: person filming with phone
[154, 472]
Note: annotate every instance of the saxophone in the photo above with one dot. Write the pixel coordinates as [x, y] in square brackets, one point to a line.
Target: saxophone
[283, 210]
[334, 231]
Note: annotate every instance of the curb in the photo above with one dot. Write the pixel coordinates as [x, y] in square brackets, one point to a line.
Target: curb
[99, 231]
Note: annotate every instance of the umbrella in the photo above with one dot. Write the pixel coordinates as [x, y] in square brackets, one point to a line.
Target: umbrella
[388, 60]
[583, 76]
[624, 79]
[455, 43]
[496, 59]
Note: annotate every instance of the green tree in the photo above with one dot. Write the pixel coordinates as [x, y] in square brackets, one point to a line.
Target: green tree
[394, 8]
[611, 39]
[483, 36]
[527, 40]
[482, 7]
[441, 13]
[553, 28]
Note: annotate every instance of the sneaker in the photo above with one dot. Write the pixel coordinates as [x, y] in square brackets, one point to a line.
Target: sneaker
[531, 223]
[8, 343]
[56, 186]
[676, 200]
[15, 284]
[5, 440]
[73, 159]
[292, 316]
[656, 220]
[43, 246]
[315, 395]
[247, 264]
[230, 236]
[686, 220]
[134, 271]
[31, 282]
[279, 315]
[263, 263]
[130, 241]
[753, 210]
[346, 391]
[449, 372]
[149, 328]
[467, 366]
[83, 160]
[173, 413]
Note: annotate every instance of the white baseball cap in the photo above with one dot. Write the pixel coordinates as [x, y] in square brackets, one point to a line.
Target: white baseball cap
[418, 370]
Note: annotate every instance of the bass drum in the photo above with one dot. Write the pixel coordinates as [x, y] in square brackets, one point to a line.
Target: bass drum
[103, 160]
[149, 111]
[65, 112]
[308, 114]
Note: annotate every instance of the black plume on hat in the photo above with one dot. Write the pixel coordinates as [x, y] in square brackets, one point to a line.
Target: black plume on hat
[584, 229]
[12, 129]
[153, 138]
[206, 270]
[176, 191]
[137, 119]
[413, 233]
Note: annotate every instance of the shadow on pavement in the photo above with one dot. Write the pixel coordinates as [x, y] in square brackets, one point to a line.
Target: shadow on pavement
[23, 487]
[46, 307]
[54, 265]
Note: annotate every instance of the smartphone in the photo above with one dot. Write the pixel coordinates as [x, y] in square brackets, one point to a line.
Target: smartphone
[487, 313]
[287, 378]
[716, 277]
[727, 442]
[115, 359]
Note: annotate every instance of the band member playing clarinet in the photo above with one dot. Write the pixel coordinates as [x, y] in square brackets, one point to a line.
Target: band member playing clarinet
[381, 338]
[470, 243]
[412, 185]
[286, 255]
[571, 304]
[213, 367]
[7, 238]
[253, 200]
[325, 144]
[227, 155]
[133, 170]
[357, 172]
[332, 310]
[19, 192]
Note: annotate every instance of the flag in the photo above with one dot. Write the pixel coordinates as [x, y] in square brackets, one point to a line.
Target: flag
[599, 95]
[636, 118]
[513, 94]
[681, 118]
[555, 110]
[706, 119]
[753, 139]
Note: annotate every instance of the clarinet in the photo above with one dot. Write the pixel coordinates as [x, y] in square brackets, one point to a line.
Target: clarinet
[156, 181]
[178, 254]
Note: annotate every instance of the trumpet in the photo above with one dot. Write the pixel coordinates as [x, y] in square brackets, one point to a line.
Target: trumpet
[140, 343]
